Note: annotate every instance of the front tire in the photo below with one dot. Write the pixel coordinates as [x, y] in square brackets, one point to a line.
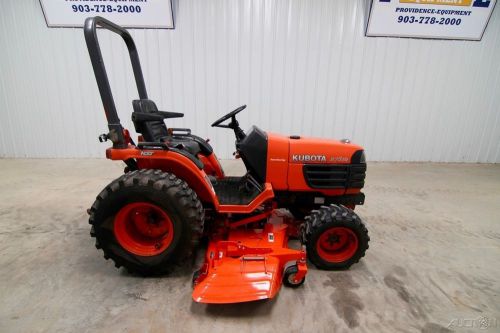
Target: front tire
[335, 237]
[147, 221]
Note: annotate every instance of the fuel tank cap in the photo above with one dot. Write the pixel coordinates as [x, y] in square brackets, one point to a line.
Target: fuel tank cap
[345, 141]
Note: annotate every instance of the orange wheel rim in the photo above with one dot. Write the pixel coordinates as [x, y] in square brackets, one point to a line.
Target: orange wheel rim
[143, 229]
[337, 244]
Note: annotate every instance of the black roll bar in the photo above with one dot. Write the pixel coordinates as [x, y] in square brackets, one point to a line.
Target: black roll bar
[90, 31]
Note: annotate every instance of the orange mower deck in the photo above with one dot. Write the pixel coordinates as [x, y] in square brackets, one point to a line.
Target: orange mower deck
[249, 265]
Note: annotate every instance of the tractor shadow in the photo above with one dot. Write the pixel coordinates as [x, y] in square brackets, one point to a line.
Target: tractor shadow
[262, 308]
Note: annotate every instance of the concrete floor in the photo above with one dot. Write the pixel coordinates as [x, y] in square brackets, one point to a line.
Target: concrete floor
[432, 262]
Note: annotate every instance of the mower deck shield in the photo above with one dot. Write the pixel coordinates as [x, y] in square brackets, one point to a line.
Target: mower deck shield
[248, 266]
[236, 281]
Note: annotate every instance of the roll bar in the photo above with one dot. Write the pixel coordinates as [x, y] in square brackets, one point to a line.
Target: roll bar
[90, 31]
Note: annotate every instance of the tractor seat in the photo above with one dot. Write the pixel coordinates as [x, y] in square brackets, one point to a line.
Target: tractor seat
[183, 144]
[156, 130]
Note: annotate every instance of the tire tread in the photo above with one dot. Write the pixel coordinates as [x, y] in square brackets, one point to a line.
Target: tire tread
[159, 181]
[333, 215]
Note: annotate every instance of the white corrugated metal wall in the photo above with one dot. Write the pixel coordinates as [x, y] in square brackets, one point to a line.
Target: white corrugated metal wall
[301, 66]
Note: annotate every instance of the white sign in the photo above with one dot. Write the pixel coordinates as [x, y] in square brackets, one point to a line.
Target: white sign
[447, 19]
[127, 13]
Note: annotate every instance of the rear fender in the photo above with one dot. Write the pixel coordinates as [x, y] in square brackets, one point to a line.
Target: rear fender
[212, 166]
[173, 162]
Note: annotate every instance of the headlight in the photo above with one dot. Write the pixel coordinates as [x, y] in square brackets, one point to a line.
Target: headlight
[358, 157]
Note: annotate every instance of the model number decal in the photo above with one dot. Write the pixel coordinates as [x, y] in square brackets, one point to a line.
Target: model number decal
[147, 153]
[339, 159]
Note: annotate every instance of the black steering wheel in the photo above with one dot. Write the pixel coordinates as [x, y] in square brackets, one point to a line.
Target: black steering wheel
[231, 114]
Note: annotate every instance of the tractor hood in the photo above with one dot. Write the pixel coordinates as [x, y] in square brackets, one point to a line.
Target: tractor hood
[288, 156]
[306, 150]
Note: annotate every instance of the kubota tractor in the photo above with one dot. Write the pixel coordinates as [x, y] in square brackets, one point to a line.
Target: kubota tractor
[174, 192]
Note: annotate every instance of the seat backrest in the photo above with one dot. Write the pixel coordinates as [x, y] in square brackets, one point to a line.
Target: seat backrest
[153, 130]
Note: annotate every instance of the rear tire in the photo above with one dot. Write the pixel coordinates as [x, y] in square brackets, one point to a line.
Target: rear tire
[168, 228]
[335, 237]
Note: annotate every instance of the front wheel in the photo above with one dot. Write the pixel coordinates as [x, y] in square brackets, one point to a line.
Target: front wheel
[147, 221]
[335, 236]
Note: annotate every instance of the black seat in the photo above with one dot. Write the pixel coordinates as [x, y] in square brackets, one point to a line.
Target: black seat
[156, 130]
[151, 130]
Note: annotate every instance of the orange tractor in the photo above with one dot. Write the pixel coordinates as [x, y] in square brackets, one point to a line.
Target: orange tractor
[174, 193]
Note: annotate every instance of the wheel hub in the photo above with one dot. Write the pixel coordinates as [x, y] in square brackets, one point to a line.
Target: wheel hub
[333, 239]
[337, 244]
[143, 229]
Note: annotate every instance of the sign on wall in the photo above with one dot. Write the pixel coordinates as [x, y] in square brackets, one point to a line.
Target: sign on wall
[127, 13]
[446, 19]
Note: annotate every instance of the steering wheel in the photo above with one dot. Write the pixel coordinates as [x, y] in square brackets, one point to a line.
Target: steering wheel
[231, 114]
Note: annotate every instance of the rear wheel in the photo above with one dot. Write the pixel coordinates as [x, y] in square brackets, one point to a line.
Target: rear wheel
[147, 221]
[335, 236]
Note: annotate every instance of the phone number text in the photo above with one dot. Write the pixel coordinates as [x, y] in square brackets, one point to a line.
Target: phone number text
[429, 20]
[106, 8]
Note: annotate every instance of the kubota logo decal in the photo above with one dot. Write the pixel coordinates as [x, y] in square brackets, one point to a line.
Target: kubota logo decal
[309, 158]
[318, 158]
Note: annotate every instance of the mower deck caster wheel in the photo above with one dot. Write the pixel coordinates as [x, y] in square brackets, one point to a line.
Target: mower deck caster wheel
[289, 277]
[196, 275]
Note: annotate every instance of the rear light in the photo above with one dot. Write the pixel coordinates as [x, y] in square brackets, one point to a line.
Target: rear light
[126, 136]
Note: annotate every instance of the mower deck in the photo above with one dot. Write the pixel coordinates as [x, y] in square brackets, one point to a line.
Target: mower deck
[248, 265]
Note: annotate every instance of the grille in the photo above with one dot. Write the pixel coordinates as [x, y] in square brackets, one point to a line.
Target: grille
[335, 176]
